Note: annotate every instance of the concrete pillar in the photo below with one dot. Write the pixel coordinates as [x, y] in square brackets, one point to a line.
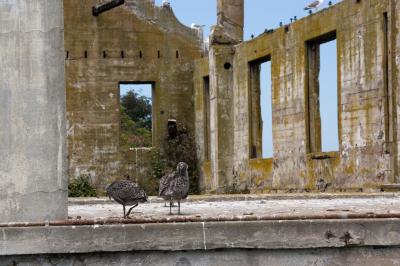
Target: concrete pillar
[229, 29]
[227, 33]
[221, 116]
[33, 181]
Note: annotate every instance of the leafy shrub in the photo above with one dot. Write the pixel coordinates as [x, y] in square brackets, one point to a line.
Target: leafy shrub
[81, 187]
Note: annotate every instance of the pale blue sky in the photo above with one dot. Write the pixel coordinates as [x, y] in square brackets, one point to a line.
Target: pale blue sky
[267, 14]
[141, 89]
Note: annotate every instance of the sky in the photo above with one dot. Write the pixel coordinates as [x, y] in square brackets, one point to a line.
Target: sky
[267, 14]
[141, 89]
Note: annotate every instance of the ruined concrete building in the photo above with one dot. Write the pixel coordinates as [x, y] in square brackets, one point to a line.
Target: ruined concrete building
[214, 92]
[217, 95]
[138, 42]
[368, 63]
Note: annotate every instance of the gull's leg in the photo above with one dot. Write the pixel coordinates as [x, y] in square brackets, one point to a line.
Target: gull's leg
[129, 212]
[124, 211]
[179, 207]
[165, 204]
[170, 207]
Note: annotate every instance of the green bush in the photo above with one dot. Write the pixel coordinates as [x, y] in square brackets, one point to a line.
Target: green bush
[81, 187]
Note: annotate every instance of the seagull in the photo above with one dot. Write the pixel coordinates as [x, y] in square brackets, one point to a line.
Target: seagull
[164, 184]
[166, 3]
[314, 5]
[197, 26]
[176, 187]
[126, 193]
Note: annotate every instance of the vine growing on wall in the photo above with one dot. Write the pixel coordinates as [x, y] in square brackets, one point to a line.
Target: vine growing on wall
[180, 147]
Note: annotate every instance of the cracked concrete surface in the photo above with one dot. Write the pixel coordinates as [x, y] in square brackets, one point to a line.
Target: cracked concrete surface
[255, 207]
[163, 239]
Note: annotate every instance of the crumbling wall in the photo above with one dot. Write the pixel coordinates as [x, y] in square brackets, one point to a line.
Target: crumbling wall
[136, 42]
[367, 157]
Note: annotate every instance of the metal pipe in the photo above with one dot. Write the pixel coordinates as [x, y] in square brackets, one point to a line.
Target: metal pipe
[97, 10]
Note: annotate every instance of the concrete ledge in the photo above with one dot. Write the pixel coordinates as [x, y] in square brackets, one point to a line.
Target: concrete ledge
[391, 187]
[200, 236]
[246, 197]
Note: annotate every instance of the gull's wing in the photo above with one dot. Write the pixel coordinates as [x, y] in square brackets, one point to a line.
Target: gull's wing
[313, 4]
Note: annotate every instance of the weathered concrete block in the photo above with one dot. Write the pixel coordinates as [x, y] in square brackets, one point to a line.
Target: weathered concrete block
[33, 184]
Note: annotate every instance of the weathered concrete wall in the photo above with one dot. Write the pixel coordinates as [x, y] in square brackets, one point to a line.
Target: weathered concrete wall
[221, 115]
[33, 180]
[317, 257]
[367, 157]
[182, 236]
[220, 127]
[156, 48]
[324, 242]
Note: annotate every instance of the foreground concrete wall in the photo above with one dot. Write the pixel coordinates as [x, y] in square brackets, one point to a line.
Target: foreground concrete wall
[317, 242]
[136, 42]
[238, 257]
[32, 112]
[367, 89]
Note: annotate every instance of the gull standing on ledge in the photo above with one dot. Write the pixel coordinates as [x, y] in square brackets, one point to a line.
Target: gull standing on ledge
[314, 5]
[126, 193]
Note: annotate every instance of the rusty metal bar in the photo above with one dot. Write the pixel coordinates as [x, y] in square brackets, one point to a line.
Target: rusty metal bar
[97, 10]
[194, 219]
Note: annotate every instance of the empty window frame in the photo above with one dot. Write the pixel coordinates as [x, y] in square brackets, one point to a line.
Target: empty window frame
[136, 114]
[260, 106]
[206, 106]
[322, 94]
